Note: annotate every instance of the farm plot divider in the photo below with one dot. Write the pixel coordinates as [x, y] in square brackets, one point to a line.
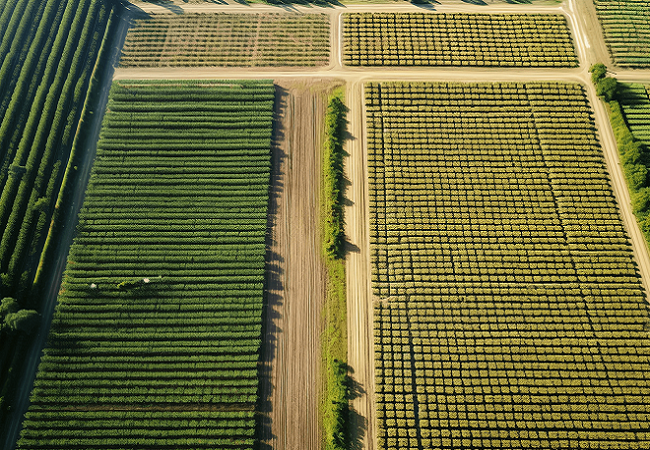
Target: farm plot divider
[155, 339]
[509, 311]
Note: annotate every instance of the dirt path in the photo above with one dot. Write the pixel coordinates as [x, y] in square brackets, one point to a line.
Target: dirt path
[360, 312]
[296, 284]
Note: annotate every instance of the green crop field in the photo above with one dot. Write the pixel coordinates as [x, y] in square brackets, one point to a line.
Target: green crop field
[49, 51]
[156, 335]
[626, 26]
[511, 312]
[635, 101]
[228, 40]
[421, 39]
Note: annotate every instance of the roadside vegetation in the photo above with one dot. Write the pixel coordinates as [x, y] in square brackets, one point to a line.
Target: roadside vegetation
[626, 27]
[460, 39]
[156, 335]
[506, 278]
[335, 405]
[233, 40]
[629, 104]
[50, 51]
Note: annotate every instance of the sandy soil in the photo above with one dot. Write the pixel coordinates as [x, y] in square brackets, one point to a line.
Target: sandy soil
[360, 312]
[296, 276]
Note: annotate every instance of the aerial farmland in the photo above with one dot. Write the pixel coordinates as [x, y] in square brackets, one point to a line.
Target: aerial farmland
[365, 224]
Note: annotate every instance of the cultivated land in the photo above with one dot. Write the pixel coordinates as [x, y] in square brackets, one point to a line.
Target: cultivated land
[419, 39]
[51, 53]
[159, 318]
[626, 26]
[228, 40]
[635, 101]
[511, 312]
[590, 48]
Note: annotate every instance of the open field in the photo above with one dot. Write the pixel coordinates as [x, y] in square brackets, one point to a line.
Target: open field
[159, 318]
[228, 40]
[512, 314]
[626, 26]
[420, 39]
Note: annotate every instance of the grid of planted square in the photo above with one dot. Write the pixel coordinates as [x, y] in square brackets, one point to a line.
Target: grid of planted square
[510, 312]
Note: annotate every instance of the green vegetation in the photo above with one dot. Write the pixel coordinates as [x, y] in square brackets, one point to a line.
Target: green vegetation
[424, 39]
[157, 332]
[333, 235]
[626, 27]
[228, 40]
[511, 312]
[48, 50]
[335, 407]
[634, 98]
[14, 319]
[622, 99]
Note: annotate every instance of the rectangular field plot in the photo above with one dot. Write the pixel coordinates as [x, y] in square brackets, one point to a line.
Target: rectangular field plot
[236, 40]
[635, 101]
[155, 340]
[510, 311]
[626, 26]
[425, 39]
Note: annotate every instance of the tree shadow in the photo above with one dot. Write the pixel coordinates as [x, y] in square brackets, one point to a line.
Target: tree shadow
[168, 4]
[319, 3]
[425, 4]
[273, 301]
[357, 424]
[475, 2]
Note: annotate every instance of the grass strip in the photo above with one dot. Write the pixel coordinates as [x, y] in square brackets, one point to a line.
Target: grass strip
[635, 155]
[335, 406]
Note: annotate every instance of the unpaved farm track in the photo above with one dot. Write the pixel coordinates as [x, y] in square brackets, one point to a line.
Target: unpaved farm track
[291, 382]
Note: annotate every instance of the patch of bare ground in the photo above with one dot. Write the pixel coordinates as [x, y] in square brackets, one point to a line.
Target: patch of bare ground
[291, 381]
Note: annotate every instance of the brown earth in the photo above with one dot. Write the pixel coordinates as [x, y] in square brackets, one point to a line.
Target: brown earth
[291, 349]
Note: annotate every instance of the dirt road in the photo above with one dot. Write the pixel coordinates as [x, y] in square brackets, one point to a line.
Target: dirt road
[360, 312]
[296, 276]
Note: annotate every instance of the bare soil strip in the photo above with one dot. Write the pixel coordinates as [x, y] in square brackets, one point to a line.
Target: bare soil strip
[291, 382]
[360, 312]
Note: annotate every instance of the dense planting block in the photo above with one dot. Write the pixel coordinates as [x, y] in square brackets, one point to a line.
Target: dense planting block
[421, 39]
[49, 51]
[635, 101]
[156, 336]
[228, 40]
[509, 313]
[626, 26]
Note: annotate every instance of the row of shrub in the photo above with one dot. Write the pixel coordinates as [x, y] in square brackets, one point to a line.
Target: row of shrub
[50, 51]
[635, 155]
